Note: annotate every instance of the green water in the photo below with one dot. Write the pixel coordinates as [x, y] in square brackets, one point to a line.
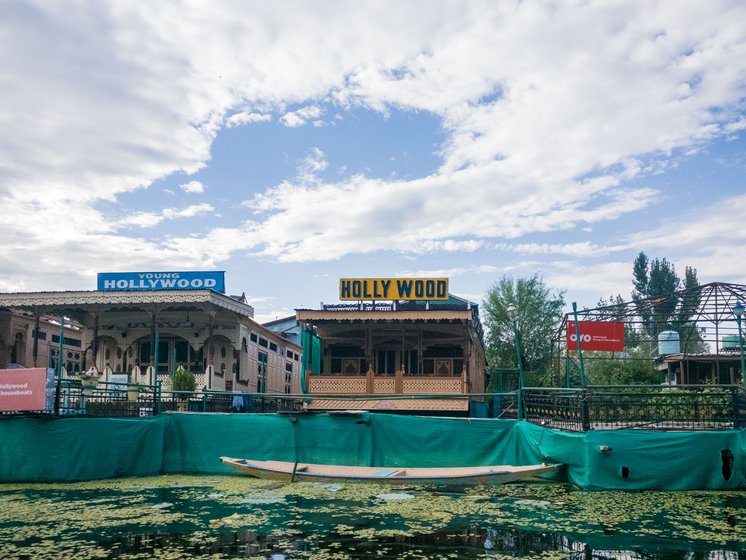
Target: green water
[181, 517]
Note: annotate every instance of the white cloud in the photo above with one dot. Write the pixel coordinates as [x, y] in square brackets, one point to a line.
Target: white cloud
[151, 219]
[300, 117]
[192, 187]
[534, 98]
[247, 117]
[710, 238]
[583, 249]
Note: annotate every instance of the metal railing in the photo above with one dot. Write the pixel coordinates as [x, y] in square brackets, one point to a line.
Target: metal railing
[681, 407]
[70, 397]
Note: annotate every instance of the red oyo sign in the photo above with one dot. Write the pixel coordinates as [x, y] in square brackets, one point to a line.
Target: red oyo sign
[596, 335]
[23, 389]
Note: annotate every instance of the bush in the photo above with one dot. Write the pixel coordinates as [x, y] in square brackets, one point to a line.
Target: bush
[183, 380]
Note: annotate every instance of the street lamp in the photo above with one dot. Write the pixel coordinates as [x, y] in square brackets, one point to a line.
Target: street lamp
[512, 311]
[738, 309]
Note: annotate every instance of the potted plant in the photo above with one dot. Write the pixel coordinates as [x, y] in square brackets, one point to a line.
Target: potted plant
[88, 381]
[134, 390]
[183, 380]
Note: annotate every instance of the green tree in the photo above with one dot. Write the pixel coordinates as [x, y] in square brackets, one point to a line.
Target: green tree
[632, 368]
[539, 316]
[183, 380]
[666, 302]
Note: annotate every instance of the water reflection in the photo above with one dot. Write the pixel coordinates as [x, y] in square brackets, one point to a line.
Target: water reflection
[236, 517]
[480, 543]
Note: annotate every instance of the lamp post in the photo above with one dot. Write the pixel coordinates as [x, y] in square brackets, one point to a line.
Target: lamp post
[738, 309]
[512, 311]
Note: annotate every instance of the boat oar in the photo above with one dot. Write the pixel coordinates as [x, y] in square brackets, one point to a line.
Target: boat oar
[292, 476]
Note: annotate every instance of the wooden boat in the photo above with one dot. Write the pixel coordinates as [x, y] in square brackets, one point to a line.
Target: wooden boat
[309, 472]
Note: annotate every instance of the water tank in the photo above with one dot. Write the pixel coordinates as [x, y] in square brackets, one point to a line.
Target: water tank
[668, 343]
[730, 342]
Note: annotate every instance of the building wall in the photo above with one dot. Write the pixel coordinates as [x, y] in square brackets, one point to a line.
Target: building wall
[236, 356]
[282, 371]
[17, 344]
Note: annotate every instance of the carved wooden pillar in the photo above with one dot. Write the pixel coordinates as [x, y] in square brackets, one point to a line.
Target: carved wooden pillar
[152, 339]
[94, 341]
[210, 345]
[369, 385]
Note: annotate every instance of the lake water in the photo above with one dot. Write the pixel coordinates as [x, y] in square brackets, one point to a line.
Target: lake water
[182, 517]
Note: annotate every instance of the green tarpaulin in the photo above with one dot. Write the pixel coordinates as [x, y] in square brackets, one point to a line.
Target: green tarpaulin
[72, 449]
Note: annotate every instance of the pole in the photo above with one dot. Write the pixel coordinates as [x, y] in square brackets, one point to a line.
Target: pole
[155, 356]
[740, 344]
[518, 354]
[580, 348]
[520, 367]
[62, 346]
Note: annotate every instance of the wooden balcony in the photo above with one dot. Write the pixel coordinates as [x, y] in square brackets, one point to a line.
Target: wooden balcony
[372, 384]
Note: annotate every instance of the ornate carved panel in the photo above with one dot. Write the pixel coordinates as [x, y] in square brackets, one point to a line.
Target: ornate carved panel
[336, 385]
[437, 385]
[384, 386]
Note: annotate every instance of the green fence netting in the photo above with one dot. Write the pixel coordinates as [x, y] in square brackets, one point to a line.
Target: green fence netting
[72, 449]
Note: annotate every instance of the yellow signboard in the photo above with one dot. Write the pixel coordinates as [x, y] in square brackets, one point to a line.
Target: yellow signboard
[357, 289]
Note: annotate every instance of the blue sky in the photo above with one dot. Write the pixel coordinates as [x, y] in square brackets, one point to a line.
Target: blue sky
[292, 144]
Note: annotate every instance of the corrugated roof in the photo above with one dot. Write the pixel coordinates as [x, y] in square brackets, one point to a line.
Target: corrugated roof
[82, 299]
[370, 316]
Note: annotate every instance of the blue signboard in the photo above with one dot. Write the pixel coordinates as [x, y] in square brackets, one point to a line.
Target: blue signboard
[149, 281]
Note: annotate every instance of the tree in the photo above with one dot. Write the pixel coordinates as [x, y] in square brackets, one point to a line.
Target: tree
[665, 302]
[183, 380]
[539, 316]
[632, 368]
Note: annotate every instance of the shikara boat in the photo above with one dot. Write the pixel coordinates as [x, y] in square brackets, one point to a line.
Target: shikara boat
[309, 472]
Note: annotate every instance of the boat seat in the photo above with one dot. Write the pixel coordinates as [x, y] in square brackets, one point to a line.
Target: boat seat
[383, 473]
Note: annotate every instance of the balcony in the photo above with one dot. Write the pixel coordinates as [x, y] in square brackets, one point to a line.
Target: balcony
[340, 392]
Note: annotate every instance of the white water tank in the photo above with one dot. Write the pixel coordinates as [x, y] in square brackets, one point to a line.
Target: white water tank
[668, 343]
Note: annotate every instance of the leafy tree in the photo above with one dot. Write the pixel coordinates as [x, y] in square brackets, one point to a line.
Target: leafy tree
[665, 302]
[539, 316]
[632, 368]
[615, 309]
[183, 380]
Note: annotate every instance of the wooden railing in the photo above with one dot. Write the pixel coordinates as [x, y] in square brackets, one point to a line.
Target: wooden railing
[371, 384]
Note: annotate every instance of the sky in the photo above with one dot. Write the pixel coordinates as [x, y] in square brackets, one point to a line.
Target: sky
[294, 143]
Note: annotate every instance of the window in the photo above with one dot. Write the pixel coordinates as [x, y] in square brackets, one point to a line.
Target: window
[42, 335]
[253, 337]
[67, 341]
[348, 360]
[289, 354]
[263, 342]
[71, 360]
[443, 361]
[261, 373]
[273, 346]
[288, 377]
[386, 362]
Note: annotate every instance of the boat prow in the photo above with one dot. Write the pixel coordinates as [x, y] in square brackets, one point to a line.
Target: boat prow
[309, 472]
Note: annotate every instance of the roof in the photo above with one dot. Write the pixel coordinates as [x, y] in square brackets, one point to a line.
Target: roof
[355, 315]
[48, 301]
[702, 357]
[443, 405]
[280, 321]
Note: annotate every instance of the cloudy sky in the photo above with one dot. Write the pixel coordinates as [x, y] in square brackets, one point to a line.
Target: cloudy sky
[293, 143]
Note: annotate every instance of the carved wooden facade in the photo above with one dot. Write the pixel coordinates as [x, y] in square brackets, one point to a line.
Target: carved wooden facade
[210, 333]
[423, 350]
